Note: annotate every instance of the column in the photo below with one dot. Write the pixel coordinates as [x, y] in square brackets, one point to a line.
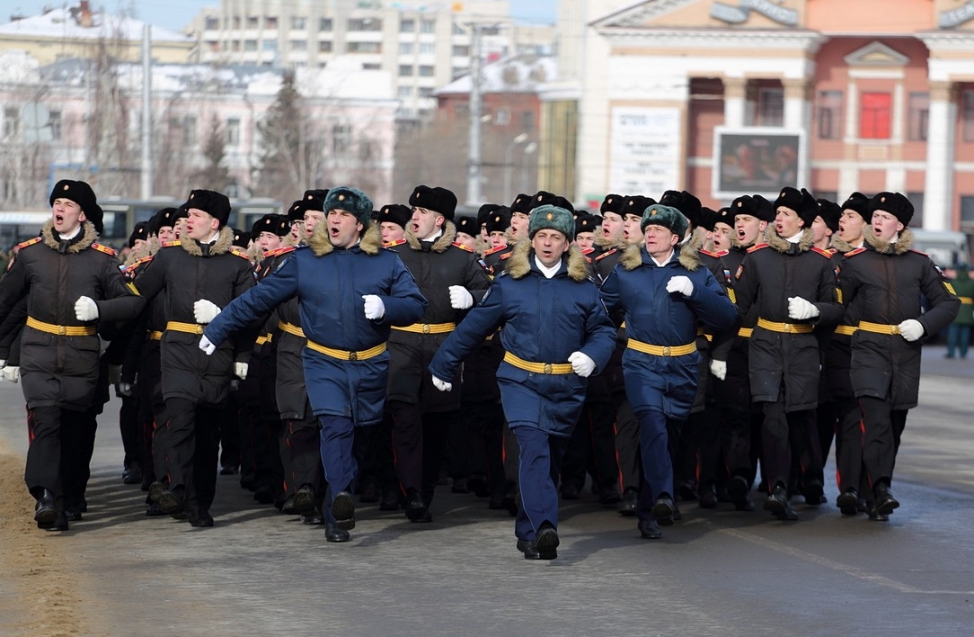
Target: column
[938, 201]
[798, 117]
[735, 89]
[849, 173]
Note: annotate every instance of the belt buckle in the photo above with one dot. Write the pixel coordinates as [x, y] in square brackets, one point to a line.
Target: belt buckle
[62, 330]
[547, 368]
[666, 350]
[895, 329]
[426, 328]
[199, 329]
[787, 328]
[353, 356]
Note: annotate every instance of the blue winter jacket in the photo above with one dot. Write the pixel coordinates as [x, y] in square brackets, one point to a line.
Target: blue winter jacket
[329, 284]
[544, 321]
[656, 317]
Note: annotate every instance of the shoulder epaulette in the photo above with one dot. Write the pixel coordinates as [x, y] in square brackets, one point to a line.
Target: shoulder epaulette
[494, 250]
[394, 244]
[131, 267]
[822, 252]
[456, 244]
[29, 242]
[101, 248]
[238, 253]
[279, 251]
[172, 244]
[504, 256]
[605, 254]
[588, 251]
[715, 255]
[756, 246]
[918, 252]
[852, 253]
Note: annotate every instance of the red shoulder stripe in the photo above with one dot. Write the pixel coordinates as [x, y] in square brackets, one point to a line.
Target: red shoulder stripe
[757, 246]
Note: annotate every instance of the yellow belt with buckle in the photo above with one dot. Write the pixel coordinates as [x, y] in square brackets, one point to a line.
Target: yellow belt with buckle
[786, 328]
[661, 350]
[846, 330]
[966, 300]
[427, 328]
[62, 330]
[538, 368]
[189, 328]
[745, 332]
[290, 328]
[155, 336]
[345, 355]
[879, 328]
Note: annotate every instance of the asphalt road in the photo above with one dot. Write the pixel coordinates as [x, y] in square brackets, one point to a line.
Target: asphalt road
[716, 573]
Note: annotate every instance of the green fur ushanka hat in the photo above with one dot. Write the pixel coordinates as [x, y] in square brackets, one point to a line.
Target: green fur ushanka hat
[350, 200]
[552, 217]
[670, 218]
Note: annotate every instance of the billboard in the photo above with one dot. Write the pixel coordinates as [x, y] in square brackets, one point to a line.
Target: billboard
[645, 147]
[756, 160]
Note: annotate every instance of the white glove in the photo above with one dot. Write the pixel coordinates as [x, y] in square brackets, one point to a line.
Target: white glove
[800, 309]
[911, 330]
[207, 346]
[374, 307]
[11, 374]
[460, 298]
[582, 364]
[442, 385]
[681, 284]
[718, 369]
[205, 311]
[85, 309]
[240, 370]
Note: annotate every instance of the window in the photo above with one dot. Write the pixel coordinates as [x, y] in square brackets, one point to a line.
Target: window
[253, 22]
[916, 198]
[364, 24]
[341, 138]
[371, 66]
[874, 116]
[829, 115]
[405, 70]
[299, 23]
[268, 45]
[11, 121]
[458, 30]
[235, 45]
[55, 122]
[426, 91]
[325, 24]
[918, 114]
[212, 23]
[405, 48]
[427, 26]
[299, 45]
[189, 130]
[461, 50]
[233, 131]
[324, 46]
[405, 91]
[236, 22]
[425, 71]
[364, 47]
[771, 107]
[407, 26]
[527, 120]
[250, 45]
[967, 211]
[457, 72]
[270, 22]
[502, 117]
[428, 48]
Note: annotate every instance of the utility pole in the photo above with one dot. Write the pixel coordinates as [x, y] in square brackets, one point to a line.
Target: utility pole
[146, 190]
[473, 161]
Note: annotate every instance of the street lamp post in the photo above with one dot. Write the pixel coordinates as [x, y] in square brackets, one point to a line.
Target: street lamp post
[508, 164]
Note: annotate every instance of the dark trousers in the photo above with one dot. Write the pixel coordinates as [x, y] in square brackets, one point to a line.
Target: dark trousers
[131, 431]
[373, 451]
[735, 434]
[61, 443]
[336, 436]
[540, 459]
[958, 338]
[186, 449]
[627, 443]
[882, 429]
[301, 454]
[703, 430]
[77, 447]
[486, 422]
[418, 441]
[656, 449]
[593, 447]
[780, 432]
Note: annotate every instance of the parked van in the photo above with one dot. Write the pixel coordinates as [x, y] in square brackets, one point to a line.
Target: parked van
[947, 248]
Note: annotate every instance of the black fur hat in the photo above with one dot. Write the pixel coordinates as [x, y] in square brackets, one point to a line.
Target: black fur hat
[216, 204]
[801, 201]
[395, 213]
[436, 199]
[894, 203]
[276, 224]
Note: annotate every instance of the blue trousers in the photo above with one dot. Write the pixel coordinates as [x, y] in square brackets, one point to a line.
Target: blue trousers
[337, 435]
[538, 468]
[654, 448]
[958, 337]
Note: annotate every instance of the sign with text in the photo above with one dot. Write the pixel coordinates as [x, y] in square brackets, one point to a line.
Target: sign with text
[756, 160]
[644, 152]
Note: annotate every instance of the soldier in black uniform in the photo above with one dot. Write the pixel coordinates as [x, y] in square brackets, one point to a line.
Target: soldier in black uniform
[883, 283]
[70, 283]
[393, 220]
[452, 280]
[517, 230]
[200, 274]
[793, 286]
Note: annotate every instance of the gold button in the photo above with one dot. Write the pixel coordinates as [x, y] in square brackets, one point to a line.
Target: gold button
[787, 328]
[426, 328]
[353, 356]
[62, 330]
[666, 350]
[547, 368]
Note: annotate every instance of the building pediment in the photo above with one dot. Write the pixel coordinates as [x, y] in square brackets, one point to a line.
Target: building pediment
[751, 14]
[876, 54]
